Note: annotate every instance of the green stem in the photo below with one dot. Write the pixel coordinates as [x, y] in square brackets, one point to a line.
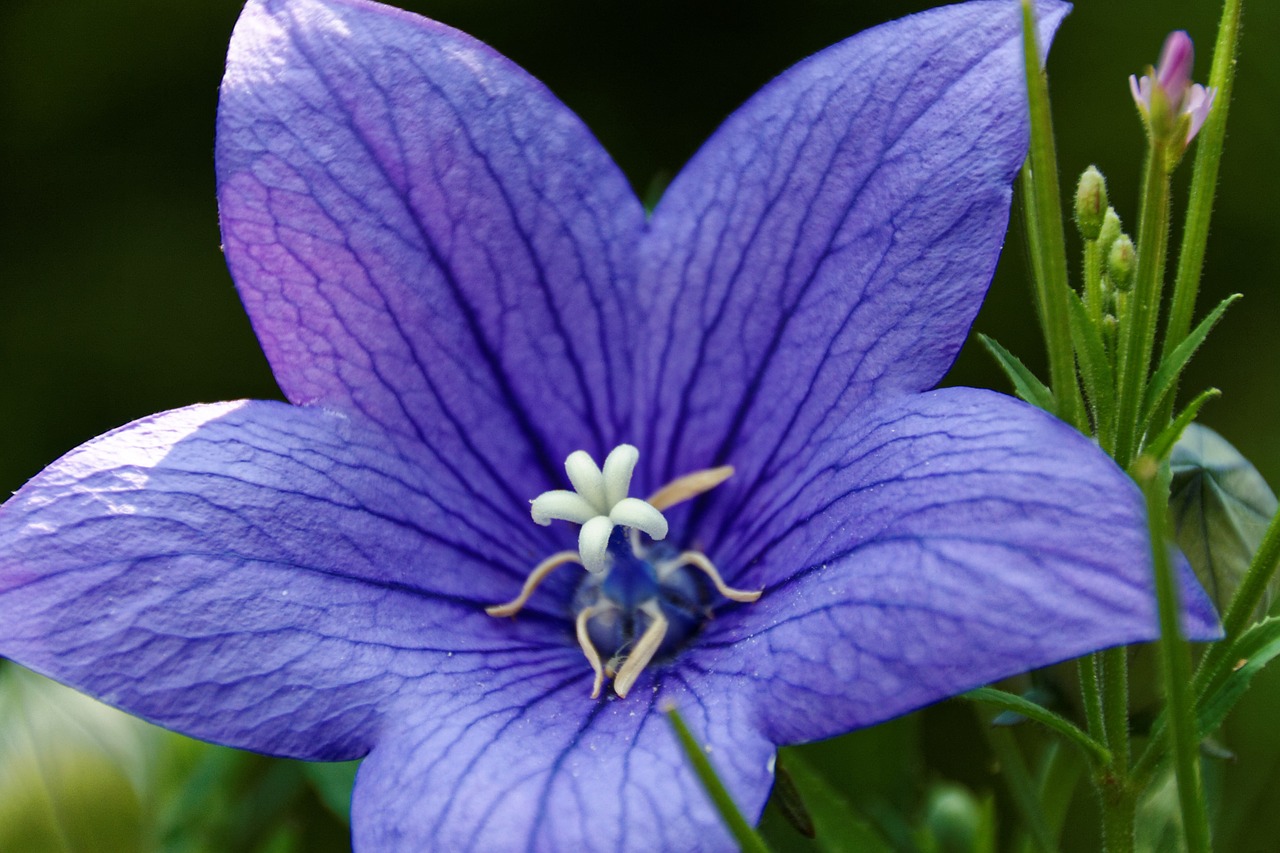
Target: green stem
[747, 838]
[1093, 281]
[1204, 180]
[1119, 802]
[1138, 325]
[1048, 240]
[1092, 693]
[1175, 667]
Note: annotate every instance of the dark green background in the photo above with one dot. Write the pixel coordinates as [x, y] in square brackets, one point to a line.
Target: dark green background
[115, 302]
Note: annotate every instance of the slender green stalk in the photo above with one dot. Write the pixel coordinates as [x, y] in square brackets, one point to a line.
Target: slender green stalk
[747, 838]
[1048, 240]
[1119, 801]
[1204, 179]
[1092, 267]
[1138, 325]
[1175, 667]
[1092, 693]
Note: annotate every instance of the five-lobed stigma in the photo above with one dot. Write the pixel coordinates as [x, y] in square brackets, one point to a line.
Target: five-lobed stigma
[639, 599]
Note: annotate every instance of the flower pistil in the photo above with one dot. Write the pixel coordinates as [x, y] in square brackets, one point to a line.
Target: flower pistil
[638, 599]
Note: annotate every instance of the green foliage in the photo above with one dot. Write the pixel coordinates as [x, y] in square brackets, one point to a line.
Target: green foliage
[1220, 506]
[1025, 383]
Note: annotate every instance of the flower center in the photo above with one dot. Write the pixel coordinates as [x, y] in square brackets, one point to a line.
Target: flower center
[638, 600]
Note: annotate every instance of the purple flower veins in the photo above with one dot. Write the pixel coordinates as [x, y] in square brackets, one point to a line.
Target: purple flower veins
[458, 291]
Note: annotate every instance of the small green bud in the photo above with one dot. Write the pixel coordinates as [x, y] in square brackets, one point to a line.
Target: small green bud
[1110, 329]
[1120, 263]
[1111, 229]
[1091, 203]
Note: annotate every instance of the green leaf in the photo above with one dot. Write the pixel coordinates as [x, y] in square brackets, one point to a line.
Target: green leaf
[1095, 365]
[1010, 702]
[332, 781]
[1165, 379]
[838, 827]
[1162, 445]
[1256, 648]
[1050, 241]
[738, 826]
[1220, 507]
[1025, 383]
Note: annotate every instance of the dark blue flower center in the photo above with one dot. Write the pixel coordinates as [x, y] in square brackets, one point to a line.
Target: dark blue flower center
[632, 581]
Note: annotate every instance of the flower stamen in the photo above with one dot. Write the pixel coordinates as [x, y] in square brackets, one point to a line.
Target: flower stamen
[689, 486]
[646, 647]
[588, 647]
[699, 561]
[536, 577]
[638, 600]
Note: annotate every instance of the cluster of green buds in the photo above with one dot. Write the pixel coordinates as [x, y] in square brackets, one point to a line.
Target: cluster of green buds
[1109, 254]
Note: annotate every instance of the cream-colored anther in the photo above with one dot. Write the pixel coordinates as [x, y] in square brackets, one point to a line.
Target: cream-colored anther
[689, 486]
[699, 561]
[645, 648]
[599, 503]
[536, 577]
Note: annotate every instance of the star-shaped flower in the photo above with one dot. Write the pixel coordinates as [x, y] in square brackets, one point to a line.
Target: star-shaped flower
[458, 291]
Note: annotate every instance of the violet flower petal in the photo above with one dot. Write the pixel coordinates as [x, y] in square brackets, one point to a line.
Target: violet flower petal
[832, 241]
[258, 574]
[934, 545]
[510, 770]
[423, 234]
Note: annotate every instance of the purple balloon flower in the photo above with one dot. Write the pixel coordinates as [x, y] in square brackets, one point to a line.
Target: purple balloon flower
[457, 290]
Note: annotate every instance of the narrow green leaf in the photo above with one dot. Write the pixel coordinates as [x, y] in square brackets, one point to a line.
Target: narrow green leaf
[1095, 365]
[738, 826]
[1010, 702]
[1165, 379]
[1046, 197]
[1256, 648]
[1162, 445]
[1025, 383]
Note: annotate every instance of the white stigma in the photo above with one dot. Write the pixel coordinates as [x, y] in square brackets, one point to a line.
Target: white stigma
[599, 502]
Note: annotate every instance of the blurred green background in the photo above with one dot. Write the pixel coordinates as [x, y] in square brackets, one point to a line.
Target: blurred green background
[115, 302]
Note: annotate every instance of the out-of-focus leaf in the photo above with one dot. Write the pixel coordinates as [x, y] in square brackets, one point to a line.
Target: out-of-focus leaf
[1159, 824]
[73, 772]
[838, 827]
[1220, 506]
[332, 782]
[787, 797]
